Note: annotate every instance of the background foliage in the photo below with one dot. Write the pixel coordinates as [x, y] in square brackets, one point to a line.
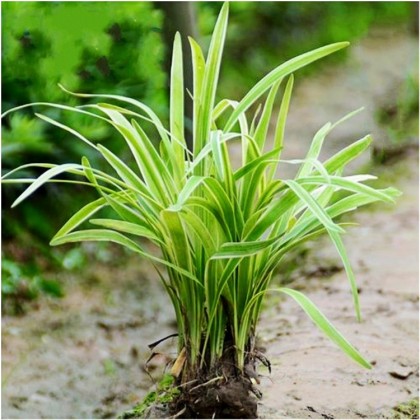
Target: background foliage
[88, 47]
[262, 34]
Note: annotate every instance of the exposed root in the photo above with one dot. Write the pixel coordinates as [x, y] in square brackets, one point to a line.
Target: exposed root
[223, 393]
[263, 359]
[179, 414]
[217, 378]
[219, 399]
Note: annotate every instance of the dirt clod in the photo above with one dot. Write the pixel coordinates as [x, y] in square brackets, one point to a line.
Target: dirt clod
[225, 400]
[401, 373]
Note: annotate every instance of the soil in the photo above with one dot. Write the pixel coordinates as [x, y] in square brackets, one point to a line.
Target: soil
[227, 400]
[221, 391]
[310, 377]
[83, 356]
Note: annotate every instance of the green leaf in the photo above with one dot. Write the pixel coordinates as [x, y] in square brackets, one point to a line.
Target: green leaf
[349, 183]
[263, 160]
[177, 105]
[45, 177]
[314, 206]
[148, 160]
[148, 111]
[210, 79]
[215, 142]
[325, 326]
[262, 127]
[104, 235]
[346, 155]
[314, 150]
[347, 117]
[281, 71]
[281, 120]
[190, 186]
[349, 271]
[96, 235]
[217, 196]
[82, 215]
[242, 249]
[198, 65]
[178, 238]
[126, 227]
[201, 230]
[126, 174]
[66, 128]
[206, 150]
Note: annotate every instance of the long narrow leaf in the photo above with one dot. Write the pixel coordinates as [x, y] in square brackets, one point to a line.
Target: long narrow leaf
[325, 326]
[125, 227]
[281, 71]
[104, 235]
[260, 134]
[41, 180]
[210, 79]
[314, 206]
[177, 105]
[242, 249]
[349, 271]
[347, 183]
[82, 215]
[281, 121]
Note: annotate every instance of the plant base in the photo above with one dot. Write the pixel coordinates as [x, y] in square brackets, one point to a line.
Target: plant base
[225, 399]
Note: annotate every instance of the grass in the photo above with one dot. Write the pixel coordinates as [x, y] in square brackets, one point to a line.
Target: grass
[164, 394]
[221, 231]
[408, 410]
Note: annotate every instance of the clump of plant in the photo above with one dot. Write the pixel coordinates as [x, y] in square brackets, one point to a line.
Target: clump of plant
[221, 231]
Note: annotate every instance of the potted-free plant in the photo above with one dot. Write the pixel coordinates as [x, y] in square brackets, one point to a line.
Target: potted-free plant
[221, 231]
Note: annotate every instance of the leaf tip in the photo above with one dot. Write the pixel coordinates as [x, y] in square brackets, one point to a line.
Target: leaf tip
[225, 6]
[367, 365]
[396, 192]
[369, 138]
[56, 240]
[344, 44]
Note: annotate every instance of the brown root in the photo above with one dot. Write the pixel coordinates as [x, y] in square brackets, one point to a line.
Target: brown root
[218, 398]
[222, 391]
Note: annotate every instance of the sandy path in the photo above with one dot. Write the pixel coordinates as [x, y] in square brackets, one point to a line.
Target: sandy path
[82, 357]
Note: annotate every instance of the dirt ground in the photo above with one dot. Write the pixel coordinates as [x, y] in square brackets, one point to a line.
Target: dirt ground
[311, 378]
[83, 356]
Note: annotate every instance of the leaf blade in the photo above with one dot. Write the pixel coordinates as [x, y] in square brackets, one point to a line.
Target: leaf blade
[281, 71]
[325, 326]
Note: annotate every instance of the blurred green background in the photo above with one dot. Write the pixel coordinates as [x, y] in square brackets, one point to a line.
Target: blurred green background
[119, 48]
